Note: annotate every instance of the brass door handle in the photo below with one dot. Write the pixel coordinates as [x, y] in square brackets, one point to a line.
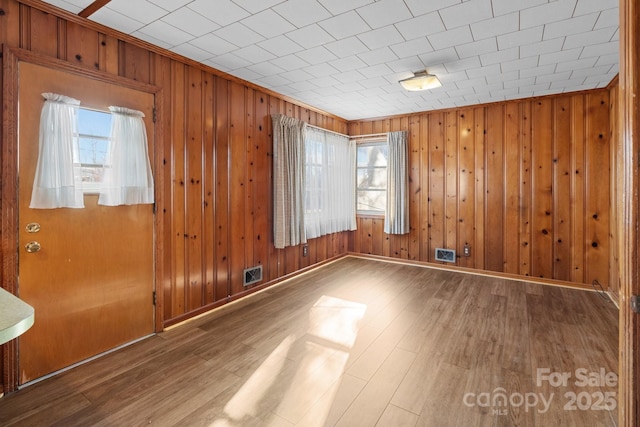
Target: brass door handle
[32, 247]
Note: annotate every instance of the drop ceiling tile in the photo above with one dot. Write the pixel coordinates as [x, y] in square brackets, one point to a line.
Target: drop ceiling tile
[239, 35]
[254, 54]
[522, 37]
[550, 12]
[289, 62]
[567, 85]
[70, 6]
[191, 51]
[591, 38]
[439, 56]
[344, 25]
[141, 10]
[499, 56]
[608, 59]
[118, 21]
[540, 48]
[564, 55]
[271, 81]
[384, 12]
[484, 71]
[450, 38]
[169, 34]
[466, 13]
[268, 24]
[214, 44]
[302, 12]
[589, 72]
[374, 84]
[321, 70]
[502, 7]
[571, 26]
[266, 69]
[297, 76]
[375, 71]
[548, 78]
[471, 83]
[191, 22]
[535, 87]
[495, 26]
[420, 7]
[451, 77]
[337, 7]
[381, 37]
[503, 77]
[379, 56]
[477, 48]
[462, 64]
[348, 63]
[255, 6]
[317, 55]
[411, 48]
[325, 81]
[407, 65]
[310, 36]
[247, 74]
[520, 64]
[169, 5]
[231, 61]
[349, 77]
[222, 12]
[420, 26]
[538, 71]
[577, 64]
[519, 82]
[607, 18]
[585, 7]
[346, 47]
[483, 90]
[280, 46]
[151, 39]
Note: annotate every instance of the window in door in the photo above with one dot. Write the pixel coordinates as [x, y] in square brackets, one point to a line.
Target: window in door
[94, 128]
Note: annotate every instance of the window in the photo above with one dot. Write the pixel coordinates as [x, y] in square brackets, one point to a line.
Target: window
[372, 177]
[94, 128]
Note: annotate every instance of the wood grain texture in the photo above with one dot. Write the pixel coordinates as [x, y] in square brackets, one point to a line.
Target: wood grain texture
[524, 183]
[357, 342]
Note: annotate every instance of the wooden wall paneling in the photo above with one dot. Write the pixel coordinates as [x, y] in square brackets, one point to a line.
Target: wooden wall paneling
[466, 185]
[578, 175]
[83, 47]
[402, 124]
[512, 188]
[615, 160]
[11, 23]
[176, 293]
[194, 206]
[525, 162]
[494, 203]
[209, 231]
[378, 236]
[262, 183]
[480, 138]
[562, 188]
[222, 94]
[133, 62]
[451, 168]
[43, 33]
[436, 183]
[237, 185]
[598, 189]
[542, 190]
[423, 195]
[249, 178]
[108, 54]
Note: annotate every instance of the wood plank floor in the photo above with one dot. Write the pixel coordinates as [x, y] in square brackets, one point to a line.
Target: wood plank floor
[357, 342]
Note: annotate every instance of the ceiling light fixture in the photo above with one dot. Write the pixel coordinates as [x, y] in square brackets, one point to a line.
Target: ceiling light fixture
[421, 81]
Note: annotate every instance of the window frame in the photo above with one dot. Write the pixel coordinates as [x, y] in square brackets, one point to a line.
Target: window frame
[370, 212]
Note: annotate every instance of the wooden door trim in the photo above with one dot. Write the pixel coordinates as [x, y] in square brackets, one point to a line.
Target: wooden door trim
[9, 176]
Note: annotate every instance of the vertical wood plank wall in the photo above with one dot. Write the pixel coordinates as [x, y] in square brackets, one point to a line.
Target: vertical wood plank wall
[214, 159]
[524, 183]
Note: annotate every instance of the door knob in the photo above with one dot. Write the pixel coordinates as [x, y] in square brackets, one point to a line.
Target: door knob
[32, 227]
[32, 247]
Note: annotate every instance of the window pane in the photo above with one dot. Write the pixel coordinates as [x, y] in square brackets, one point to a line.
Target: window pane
[95, 123]
[94, 128]
[371, 200]
[372, 178]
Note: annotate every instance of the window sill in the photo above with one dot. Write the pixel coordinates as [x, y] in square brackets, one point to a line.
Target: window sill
[374, 215]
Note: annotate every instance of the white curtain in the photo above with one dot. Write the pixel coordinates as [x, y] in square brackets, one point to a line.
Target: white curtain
[57, 182]
[127, 178]
[288, 181]
[396, 220]
[331, 183]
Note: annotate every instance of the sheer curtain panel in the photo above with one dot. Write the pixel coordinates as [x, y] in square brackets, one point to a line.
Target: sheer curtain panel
[57, 182]
[396, 220]
[288, 181]
[331, 183]
[127, 176]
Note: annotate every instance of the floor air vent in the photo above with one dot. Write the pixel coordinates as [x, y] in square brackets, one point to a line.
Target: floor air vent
[252, 275]
[446, 255]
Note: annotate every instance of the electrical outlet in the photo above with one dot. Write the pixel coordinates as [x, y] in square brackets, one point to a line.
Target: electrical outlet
[305, 250]
[466, 251]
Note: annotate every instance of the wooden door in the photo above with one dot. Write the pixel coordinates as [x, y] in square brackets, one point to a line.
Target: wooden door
[91, 284]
